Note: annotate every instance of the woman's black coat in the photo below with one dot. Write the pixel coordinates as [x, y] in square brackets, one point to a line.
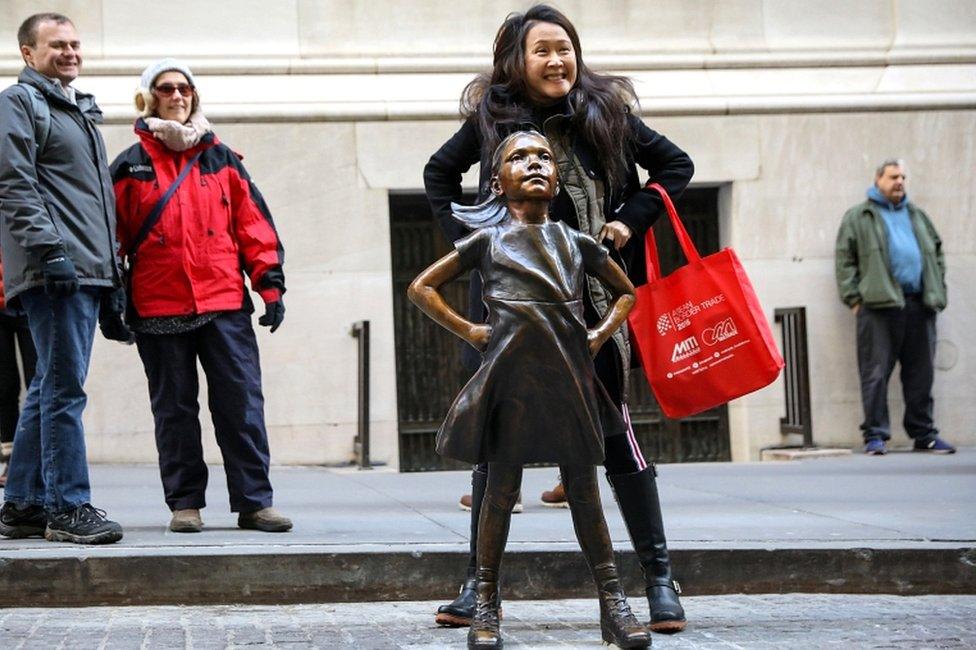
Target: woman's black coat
[629, 203]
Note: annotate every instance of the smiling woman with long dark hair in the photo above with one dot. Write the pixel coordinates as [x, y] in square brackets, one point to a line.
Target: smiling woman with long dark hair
[523, 80]
[540, 82]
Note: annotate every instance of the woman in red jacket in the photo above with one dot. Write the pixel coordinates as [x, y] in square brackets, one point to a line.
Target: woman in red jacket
[191, 224]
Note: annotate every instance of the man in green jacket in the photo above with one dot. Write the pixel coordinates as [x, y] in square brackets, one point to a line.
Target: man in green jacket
[891, 272]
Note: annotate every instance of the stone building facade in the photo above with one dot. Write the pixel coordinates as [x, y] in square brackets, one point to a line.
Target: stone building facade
[786, 106]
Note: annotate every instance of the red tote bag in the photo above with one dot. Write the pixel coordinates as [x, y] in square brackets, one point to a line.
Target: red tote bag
[701, 333]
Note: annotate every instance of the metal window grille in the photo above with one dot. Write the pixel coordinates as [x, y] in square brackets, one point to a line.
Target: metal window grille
[796, 374]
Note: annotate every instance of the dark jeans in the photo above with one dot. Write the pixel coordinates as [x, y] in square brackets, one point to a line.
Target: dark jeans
[14, 334]
[49, 466]
[228, 352]
[906, 336]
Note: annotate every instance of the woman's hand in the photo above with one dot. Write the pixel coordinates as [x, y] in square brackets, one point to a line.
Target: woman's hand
[617, 232]
[478, 336]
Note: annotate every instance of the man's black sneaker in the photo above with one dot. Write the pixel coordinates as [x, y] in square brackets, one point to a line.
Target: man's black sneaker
[84, 525]
[17, 523]
[935, 445]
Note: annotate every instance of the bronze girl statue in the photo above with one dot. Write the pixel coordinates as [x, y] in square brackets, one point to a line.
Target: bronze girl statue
[539, 82]
[535, 397]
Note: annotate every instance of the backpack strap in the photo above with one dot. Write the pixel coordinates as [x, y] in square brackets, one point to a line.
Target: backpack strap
[42, 116]
[153, 217]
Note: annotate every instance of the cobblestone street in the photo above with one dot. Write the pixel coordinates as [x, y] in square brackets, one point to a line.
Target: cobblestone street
[773, 621]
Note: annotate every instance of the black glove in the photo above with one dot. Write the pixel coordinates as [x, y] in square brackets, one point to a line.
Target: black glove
[60, 278]
[274, 314]
[110, 321]
[114, 329]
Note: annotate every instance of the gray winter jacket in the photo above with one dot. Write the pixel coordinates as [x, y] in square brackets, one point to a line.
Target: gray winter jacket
[59, 197]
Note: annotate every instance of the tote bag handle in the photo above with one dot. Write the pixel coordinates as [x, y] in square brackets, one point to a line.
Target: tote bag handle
[651, 258]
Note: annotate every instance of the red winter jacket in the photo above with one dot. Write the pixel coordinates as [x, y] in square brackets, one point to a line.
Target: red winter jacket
[215, 223]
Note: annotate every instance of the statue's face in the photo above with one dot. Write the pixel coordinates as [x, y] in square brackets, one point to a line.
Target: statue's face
[528, 170]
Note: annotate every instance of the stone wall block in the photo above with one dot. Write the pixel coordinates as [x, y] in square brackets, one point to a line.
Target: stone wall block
[190, 28]
[85, 14]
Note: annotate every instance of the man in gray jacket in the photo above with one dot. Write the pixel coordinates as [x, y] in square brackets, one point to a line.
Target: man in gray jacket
[57, 235]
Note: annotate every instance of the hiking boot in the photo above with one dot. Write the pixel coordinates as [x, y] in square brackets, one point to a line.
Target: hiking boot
[934, 446]
[85, 524]
[618, 625]
[16, 523]
[485, 631]
[465, 503]
[186, 521]
[876, 447]
[555, 498]
[267, 519]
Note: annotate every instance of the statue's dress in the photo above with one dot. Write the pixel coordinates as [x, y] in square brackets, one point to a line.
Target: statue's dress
[535, 397]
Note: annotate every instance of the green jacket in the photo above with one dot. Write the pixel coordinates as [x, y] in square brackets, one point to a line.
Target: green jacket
[861, 260]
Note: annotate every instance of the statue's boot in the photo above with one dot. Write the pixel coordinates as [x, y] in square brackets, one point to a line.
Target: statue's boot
[618, 624]
[496, 514]
[485, 630]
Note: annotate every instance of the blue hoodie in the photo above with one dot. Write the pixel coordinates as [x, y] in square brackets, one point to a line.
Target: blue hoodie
[904, 255]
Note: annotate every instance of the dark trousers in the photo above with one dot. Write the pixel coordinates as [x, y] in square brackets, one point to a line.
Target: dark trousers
[228, 353]
[14, 334]
[905, 336]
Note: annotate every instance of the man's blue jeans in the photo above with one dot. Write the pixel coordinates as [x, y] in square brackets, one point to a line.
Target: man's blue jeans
[48, 466]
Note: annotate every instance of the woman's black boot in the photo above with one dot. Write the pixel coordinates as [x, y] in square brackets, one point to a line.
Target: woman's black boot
[459, 612]
[641, 509]
[485, 631]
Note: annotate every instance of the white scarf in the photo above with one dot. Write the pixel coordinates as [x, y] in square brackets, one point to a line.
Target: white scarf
[176, 136]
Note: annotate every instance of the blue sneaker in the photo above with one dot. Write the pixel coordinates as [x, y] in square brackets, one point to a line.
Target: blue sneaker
[875, 447]
[935, 446]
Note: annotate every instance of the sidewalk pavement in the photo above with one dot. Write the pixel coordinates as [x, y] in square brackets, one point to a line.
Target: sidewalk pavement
[900, 524]
[771, 622]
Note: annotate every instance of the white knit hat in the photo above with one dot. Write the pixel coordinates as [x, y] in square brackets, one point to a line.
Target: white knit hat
[143, 92]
